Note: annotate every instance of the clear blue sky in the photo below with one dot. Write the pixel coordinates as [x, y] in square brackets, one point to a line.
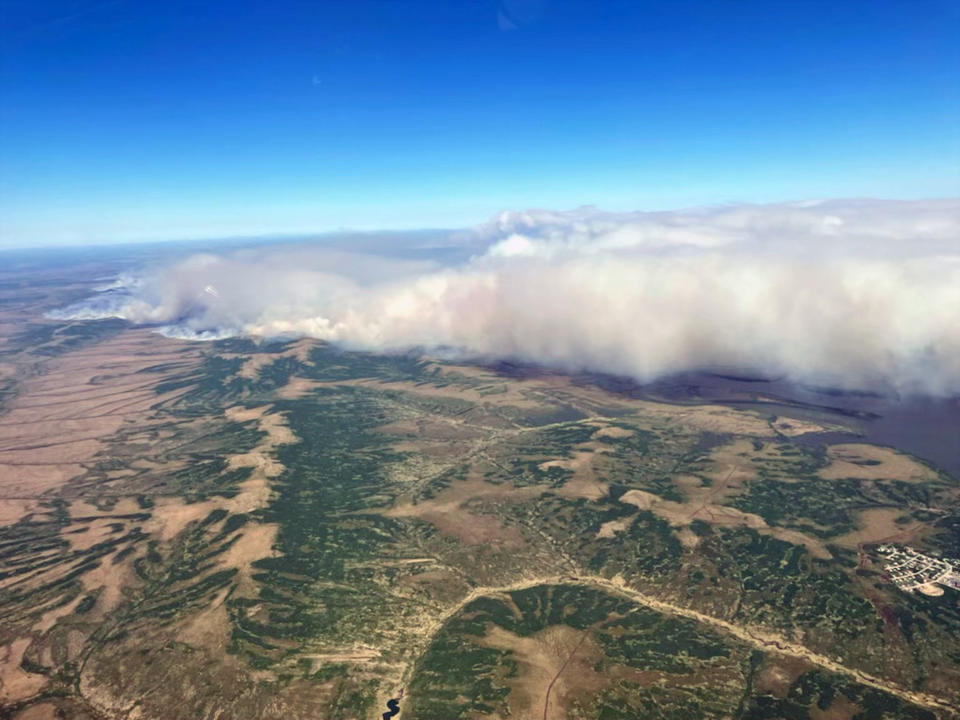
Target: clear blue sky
[126, 119]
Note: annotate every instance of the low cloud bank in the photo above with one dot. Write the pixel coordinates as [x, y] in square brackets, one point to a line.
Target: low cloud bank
[852, 293]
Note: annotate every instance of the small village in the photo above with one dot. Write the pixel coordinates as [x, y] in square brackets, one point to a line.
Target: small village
[913, 571]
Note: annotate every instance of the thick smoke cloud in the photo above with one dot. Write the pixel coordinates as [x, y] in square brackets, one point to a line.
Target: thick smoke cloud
[853, 293]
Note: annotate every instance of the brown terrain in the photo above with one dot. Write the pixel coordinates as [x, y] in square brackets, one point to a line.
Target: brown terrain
[108, 507]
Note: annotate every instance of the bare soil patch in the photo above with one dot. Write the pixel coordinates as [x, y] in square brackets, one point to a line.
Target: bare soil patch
[255, 542]
[61, 419]
[778, 674]
[612, 431]
[15, 509]
[611, 528]
[297, 388]
[558, 660]
[792, 427]
[15, 683]
[209, 628]
[40, 711]
[877, 525]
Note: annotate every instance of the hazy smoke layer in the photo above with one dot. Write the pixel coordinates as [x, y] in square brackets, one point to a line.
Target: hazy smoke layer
[855, 293]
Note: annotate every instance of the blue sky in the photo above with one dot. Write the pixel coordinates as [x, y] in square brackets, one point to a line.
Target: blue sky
[125, 120]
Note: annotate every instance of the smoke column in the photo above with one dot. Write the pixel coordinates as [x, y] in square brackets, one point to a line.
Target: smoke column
[852, 293]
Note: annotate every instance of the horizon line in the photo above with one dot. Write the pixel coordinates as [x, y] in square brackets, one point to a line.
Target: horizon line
[307, 234]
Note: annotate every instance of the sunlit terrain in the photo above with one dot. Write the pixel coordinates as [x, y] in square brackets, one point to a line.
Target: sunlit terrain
[480, 360]
[286, 529]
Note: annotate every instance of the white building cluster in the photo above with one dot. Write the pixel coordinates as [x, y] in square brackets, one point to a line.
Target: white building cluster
[913, 571]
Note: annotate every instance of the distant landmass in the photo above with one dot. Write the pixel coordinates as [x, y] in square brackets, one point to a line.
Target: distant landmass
[253, 529]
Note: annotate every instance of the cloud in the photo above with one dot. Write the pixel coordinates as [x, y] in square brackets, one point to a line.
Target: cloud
[853, 293]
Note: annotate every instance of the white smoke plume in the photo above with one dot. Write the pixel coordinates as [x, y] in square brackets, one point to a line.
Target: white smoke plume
[853, 293]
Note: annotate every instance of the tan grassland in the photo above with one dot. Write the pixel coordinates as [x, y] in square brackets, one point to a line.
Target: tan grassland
[16, 683]
[555, 665]
[254, 363]
[730, 466]
[40, 711]
[296, 388]
[61, 419]
[584, 482]
[876, 525]
[872, 462]
[61, 422]
[792, 427]
[448, 512]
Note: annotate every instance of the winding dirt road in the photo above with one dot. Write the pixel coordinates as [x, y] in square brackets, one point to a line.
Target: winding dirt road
[758, 638]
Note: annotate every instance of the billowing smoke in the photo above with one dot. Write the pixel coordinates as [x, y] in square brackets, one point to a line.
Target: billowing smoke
[852, 293]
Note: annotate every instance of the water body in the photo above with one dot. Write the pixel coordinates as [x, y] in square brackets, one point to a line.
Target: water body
[926, 427]
[393, 708]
